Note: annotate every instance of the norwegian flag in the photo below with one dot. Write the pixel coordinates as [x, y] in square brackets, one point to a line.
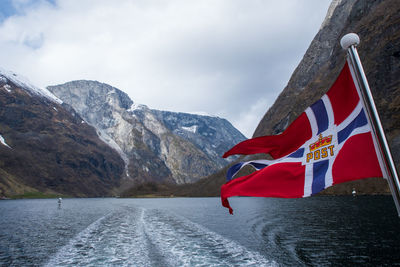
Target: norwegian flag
[329, 143]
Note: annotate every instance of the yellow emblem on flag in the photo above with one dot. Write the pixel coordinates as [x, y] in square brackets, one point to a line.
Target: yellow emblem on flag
[320, 149]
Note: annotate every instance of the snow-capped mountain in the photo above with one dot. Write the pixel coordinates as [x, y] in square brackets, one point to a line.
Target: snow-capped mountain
[22, 82]
[45, 147]
[155, 145]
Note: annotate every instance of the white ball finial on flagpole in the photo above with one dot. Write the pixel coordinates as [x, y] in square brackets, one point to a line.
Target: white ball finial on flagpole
[349, 40]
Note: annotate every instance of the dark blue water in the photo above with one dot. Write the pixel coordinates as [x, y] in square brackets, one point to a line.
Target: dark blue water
[316, 231]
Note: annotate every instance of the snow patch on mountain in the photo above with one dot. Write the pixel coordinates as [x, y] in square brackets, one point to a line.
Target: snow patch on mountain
[136, 106]
[2, 141]
[26, 84]
[192, 128]
[7, 87]
[202, 113]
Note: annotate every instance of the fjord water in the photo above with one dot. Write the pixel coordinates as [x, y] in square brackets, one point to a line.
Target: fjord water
[316, 231]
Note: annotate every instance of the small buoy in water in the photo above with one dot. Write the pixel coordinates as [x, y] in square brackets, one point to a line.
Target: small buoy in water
[353, 192]
[59, 202]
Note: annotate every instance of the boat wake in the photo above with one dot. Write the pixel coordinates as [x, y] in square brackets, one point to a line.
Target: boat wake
[134, 236]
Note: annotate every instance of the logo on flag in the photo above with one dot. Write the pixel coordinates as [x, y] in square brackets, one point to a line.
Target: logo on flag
[329, 143]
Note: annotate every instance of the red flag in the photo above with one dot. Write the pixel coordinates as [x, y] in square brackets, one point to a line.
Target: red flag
[329, 143]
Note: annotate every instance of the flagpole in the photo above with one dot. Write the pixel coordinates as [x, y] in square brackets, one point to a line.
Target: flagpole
[349, 43]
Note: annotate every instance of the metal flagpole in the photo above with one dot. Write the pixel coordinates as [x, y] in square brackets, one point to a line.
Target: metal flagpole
[349, 43]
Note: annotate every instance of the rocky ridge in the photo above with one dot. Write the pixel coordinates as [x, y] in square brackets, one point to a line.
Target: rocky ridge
[158, 146]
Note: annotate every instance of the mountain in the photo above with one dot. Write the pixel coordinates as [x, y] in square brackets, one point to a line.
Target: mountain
[213, 135]
[157, 146]
[377, 23]
[46, 147]
[98, 142]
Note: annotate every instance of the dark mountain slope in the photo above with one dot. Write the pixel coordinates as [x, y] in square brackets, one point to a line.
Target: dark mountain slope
[49, 148]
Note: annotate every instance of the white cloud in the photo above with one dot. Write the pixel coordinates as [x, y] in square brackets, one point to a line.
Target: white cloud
[227, 58]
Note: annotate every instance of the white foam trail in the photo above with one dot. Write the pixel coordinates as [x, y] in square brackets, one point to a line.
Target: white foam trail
[184, 243]
[67, 254]
[116, 239]
[140, 237]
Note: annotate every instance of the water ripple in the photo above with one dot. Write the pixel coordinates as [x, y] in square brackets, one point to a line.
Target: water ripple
[139, 237]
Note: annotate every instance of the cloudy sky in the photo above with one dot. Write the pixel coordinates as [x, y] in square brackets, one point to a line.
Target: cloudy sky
[229, 58]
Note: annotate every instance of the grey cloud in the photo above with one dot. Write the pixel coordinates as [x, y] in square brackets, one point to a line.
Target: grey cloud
[226, 58]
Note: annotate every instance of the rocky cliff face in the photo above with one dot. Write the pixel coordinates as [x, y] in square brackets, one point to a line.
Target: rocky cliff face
[212, 135]
[48, 148]
[155, 145]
